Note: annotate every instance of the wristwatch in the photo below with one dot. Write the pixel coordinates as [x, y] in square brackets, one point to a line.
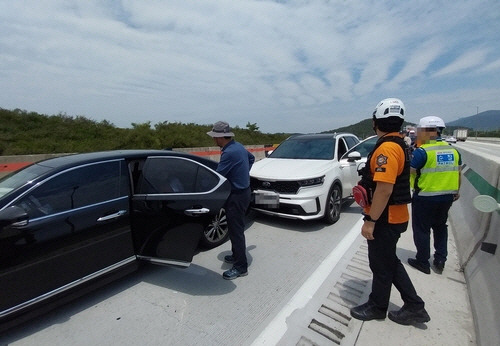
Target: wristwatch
[368, 218]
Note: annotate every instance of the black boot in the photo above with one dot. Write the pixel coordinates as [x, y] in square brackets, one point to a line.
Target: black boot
[439, 266]
[408, 316]
[368, 311]
[426, 269]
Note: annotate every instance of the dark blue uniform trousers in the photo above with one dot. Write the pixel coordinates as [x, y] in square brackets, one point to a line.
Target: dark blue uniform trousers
[387, 269]
[236, 208]
[426, 215]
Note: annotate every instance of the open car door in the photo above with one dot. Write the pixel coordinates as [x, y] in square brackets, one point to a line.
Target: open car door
[175, 198]
[353, 160]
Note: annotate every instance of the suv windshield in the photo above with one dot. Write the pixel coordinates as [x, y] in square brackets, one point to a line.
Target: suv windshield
[19, 178]
[305, 148]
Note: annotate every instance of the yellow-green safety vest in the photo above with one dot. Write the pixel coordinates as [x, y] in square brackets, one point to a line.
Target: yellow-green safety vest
[441, 172]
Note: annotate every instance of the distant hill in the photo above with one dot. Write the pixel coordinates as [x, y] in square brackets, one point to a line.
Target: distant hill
[484, 121]
[362, 129]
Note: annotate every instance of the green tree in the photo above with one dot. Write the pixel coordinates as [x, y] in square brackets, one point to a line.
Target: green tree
[252, 127]
[23, 132]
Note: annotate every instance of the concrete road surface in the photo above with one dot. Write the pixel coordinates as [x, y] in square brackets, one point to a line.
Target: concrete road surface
[196, 306]
[303, 278]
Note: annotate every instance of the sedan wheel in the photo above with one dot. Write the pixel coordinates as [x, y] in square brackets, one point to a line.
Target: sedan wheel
[333, 204]
[216, 231]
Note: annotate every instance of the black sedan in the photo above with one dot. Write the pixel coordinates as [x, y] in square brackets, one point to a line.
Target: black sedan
[71, 223]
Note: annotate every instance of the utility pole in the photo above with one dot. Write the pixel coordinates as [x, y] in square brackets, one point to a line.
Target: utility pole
[477, 113]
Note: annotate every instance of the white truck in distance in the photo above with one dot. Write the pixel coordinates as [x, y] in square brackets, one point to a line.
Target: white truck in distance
[460, 134]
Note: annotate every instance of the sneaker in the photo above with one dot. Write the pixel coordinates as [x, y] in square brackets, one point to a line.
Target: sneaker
[426, 269]
[406, 316]
[368, 311]
[229, 259]
[233, 273]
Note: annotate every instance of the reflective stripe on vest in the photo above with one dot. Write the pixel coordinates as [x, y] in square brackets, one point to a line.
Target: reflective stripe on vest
[440, 169]
[438, 193]
[440, 174]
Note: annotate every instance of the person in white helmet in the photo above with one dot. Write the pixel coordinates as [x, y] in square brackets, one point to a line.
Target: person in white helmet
[386, 178]
[435, 179]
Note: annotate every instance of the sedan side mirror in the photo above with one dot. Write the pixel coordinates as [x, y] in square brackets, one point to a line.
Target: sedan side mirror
[353, 156]
[13, 216]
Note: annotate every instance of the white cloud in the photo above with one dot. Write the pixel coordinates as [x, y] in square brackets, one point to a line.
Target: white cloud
[260, 61]
[491, 67]
[418, 62]
[466, 61]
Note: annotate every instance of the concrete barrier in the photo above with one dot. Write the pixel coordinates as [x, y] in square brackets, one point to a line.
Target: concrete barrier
[12, 163]
[477, 235]
[213, 153]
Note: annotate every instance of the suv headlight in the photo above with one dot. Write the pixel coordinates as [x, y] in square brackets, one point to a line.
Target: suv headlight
[312, 181]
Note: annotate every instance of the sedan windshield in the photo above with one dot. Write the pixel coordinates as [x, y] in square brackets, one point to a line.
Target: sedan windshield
[305, 148]
[19, 178]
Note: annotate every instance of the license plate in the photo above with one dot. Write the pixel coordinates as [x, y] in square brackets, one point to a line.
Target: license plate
[269, 200]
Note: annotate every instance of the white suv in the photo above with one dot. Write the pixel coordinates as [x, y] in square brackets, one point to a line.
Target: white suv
[304, 177]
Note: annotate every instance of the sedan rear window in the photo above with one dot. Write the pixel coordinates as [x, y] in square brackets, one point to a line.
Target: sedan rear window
[305, 148]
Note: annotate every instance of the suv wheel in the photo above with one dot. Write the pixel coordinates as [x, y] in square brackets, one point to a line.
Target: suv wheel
[216, 232]
[333, 204]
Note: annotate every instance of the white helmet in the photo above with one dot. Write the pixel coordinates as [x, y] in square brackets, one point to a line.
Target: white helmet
[389, 108]
[431, 121]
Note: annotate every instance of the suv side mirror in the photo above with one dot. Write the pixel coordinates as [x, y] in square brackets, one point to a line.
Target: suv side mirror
[353, 156]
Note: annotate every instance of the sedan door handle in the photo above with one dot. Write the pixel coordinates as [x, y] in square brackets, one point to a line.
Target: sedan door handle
[112, 216]
[196, 212]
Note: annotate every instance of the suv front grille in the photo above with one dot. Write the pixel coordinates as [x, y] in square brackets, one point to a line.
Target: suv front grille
[290, 187]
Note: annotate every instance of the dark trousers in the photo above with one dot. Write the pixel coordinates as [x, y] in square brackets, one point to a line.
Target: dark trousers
[387, 269]
[426, 215]
[236, 208]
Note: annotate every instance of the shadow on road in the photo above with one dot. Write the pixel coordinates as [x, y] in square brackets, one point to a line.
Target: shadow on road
[301, 225]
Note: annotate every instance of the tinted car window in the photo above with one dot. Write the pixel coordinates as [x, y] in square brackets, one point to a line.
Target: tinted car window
[365, 147]
[77, 188]
[175, 175]
[351, 141]
[206, 180]
[342, 147]
[305, 148]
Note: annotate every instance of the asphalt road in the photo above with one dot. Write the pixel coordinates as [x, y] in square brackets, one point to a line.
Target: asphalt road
[196, 306]
[484, 147]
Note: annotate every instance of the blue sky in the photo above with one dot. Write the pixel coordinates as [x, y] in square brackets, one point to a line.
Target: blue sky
[288, 66]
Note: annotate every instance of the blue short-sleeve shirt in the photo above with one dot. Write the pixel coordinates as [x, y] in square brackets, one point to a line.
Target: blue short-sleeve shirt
[235, 163]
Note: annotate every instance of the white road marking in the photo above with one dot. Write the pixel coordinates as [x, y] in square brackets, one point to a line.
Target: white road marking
[278, 327]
